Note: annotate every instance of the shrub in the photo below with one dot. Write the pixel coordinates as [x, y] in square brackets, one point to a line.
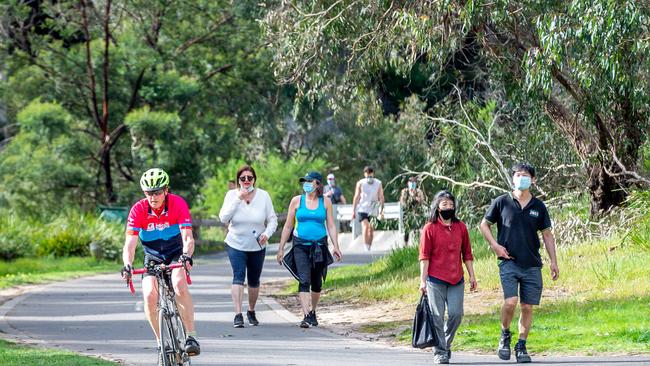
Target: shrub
[14, 238]
[65, 234]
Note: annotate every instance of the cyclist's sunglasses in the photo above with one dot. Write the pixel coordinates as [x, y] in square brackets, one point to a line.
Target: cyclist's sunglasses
[245, 178]
[154, 193]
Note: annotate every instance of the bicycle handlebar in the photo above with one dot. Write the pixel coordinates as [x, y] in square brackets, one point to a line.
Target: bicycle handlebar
[160, 266]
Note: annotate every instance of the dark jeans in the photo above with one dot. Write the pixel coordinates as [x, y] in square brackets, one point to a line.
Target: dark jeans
[242, 262]
[310, 274]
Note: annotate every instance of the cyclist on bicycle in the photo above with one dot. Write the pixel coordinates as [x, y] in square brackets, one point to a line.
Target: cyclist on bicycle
[162, 222]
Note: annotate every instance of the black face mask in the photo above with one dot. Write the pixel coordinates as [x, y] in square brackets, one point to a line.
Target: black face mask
[447, 214]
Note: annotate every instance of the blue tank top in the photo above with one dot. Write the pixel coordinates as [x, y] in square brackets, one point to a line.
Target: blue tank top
[310, 224]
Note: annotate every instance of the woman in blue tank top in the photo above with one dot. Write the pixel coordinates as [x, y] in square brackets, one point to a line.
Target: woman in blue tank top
[310, 219]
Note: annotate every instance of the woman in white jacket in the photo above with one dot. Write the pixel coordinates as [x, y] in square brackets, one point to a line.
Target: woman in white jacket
[251, 220]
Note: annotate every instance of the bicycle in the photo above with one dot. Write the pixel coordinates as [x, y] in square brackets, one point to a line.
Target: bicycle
[172, 331]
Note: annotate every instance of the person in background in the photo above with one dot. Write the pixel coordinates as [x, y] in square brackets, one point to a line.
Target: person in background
[252, 220]
[413, 204]
[444, 247]
[333, 191]
[519, 217]
[309, 255]
[368, 194]
[232, 185]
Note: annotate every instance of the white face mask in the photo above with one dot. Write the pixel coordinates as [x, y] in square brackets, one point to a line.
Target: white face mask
[247, 190]
[521, 182]
[370, 179]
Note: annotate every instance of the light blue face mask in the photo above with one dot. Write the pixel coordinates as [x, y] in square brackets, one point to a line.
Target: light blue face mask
[412, 185]
[370, 179]
[521, 183]
[308, 187]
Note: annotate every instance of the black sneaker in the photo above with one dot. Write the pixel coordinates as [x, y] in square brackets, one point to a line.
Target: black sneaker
[239, 321]
[252, 320]
[504, 346]
[521, 353]
[312, 318]
[192, 346]
[305, 323]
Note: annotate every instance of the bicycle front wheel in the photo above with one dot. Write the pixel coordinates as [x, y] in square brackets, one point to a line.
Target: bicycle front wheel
[181, 336]
[167, 339]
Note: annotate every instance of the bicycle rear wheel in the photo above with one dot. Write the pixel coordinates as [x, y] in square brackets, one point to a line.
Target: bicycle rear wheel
[168, 343]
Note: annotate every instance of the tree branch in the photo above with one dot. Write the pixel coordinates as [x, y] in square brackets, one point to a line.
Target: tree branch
[106, 69]
[89, 65]
[454, 182]
[210, 33]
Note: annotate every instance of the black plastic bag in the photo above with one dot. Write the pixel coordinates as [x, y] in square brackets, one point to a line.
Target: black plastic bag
[423, 330]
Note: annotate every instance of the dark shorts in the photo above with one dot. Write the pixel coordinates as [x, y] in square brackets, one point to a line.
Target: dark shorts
[244, 263]
[364, 216]
[523, 282]
[169, 259]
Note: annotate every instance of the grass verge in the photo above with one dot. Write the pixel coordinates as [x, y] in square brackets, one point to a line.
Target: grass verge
[597, 305]
[601, 326]
[13, 354]
[25, 271]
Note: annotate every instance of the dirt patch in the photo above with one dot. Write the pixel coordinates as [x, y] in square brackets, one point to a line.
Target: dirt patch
[378, 321]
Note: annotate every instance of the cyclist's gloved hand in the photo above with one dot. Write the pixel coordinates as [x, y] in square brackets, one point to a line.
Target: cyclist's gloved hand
[186, 259]
[126, 272]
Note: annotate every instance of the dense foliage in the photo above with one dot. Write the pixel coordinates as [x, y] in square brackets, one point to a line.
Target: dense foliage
[580, 65]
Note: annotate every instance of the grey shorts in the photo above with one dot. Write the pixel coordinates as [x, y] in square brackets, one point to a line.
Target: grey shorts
[523, 282]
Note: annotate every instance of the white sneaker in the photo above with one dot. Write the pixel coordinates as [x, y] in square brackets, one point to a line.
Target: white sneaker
[367, 247]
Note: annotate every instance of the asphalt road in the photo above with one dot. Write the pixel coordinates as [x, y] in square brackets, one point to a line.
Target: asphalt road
[98, 316]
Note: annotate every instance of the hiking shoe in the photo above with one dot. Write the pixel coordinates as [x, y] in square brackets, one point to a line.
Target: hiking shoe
[521, 353]
[440, 358]
[252, 319]
[192, 346]
[239, 321]
[312, 318]
[504, 346]
[305, 322]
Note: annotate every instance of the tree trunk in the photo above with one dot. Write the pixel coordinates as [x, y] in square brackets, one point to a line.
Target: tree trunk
[106, 165]
[605, 191]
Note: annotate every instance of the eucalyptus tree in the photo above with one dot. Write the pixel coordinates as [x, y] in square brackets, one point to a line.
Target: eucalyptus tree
[582, 64]
[167, 83]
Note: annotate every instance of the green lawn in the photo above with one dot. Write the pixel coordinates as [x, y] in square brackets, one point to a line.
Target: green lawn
[568, 327]
[38, 270]
[13, 354]
[599, 304]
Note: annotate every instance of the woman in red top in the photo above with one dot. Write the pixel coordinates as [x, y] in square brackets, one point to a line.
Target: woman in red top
[444, 246]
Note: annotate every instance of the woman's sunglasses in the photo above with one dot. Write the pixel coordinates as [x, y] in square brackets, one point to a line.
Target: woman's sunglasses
[245, 178]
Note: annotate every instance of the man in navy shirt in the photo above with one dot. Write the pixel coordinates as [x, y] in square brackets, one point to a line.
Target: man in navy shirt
[519, 217]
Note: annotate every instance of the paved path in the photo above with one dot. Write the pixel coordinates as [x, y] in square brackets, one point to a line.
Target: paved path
[98, 316]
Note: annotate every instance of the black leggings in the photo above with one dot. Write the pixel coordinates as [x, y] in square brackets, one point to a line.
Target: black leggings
[310, 276]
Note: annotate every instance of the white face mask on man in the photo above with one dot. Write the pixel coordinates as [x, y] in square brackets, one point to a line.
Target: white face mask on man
[521, 182]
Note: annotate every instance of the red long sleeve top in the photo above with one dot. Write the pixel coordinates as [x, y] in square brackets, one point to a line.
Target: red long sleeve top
[446, 247]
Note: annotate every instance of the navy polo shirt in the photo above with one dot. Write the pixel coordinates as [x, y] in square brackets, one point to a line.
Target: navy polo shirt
[517, 227]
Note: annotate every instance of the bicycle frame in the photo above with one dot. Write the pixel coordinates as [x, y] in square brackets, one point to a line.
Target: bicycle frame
[171, 329]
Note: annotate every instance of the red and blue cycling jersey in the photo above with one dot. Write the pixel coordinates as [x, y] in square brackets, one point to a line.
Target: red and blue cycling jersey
[160, 234]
